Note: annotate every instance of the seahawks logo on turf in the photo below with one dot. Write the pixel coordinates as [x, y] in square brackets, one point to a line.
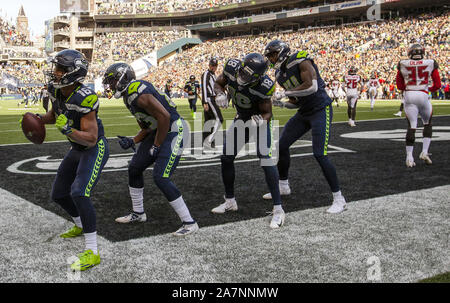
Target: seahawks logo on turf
[191, 159]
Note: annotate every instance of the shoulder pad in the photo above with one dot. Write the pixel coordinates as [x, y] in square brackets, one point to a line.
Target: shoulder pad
[137, 86]
[84, 100]
[296, 59]
[264, 89]
[231, 68]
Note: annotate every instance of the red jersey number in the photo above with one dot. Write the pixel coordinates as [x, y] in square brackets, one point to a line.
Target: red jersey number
[352, 83]
[417, 73]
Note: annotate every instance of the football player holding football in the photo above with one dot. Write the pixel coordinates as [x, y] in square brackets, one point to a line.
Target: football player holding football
[298, 75]
[75, 113]
[161, 142]
[250, 90]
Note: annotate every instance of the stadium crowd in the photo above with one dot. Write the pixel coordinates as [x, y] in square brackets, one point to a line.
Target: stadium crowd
[371, 47]
[115, 7]
[10, 35]
[129, 46]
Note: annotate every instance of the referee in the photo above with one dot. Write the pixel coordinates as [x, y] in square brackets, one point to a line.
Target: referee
[212, 111]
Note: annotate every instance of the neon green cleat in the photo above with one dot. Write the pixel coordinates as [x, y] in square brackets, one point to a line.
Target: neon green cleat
[86, 260]
[75, 231]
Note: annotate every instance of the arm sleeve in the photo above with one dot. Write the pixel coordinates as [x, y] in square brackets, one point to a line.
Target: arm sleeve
[436, 81]
[400, 81]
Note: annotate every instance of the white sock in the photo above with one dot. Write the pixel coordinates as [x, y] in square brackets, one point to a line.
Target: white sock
[181, 209]
[77, 221]
[137, 197]
[409, 151]
[284, 182]
[426, 144]
[90, 240]
[337, 195]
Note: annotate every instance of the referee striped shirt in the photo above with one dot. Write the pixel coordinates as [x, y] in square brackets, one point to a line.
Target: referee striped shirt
[208, 79]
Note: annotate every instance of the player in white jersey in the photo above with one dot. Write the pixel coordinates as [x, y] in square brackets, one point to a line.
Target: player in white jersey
[373, 89]
[413, 78]
[335, 85]
[352, 81]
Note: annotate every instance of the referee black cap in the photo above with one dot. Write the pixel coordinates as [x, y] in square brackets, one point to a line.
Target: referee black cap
[213, 61]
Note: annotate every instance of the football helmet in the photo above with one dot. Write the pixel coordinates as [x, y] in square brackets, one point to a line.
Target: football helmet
[416, 52]
[74, 65]
[281, 49]
[117, 77]
[192, 78]
[352, 70]
[252, 69]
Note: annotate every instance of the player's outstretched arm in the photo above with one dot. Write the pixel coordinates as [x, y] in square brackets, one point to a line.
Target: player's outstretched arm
[49, 117]
[309, 84]
[219, 85]
[149, 103]
[265, 108]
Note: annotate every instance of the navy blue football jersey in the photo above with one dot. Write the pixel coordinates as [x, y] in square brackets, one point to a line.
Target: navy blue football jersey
[138, 88]
[246, 99]
[82, 101]
[288, 76]
[192, 89]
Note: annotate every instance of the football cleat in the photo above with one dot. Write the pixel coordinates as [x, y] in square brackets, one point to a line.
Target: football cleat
[228, 205]
[351, 123]
[75, 231]
[425, 157]
[338, 206]
[86, 260]
[410, 162]
[398, 114]
[285, 190]
[277, 219]
[186, 229]
[132, 217]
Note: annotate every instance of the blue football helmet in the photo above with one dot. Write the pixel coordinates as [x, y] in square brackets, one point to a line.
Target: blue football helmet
[117, 77]
[281, 49]
[253, 67]
[74, 65]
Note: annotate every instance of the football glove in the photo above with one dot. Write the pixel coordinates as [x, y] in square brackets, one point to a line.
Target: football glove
[154, 150]
[222, 100]
[126, 142]
[258, 119]
[62, 124]
[277, 96]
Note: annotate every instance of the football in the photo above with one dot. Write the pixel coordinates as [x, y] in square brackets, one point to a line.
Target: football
[33, 128]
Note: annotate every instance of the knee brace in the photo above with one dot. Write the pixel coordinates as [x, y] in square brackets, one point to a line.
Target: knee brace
[135, 177]
[427, 130]
[410, 136]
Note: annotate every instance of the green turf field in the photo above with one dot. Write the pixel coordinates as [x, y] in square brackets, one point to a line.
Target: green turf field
[117, 120]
